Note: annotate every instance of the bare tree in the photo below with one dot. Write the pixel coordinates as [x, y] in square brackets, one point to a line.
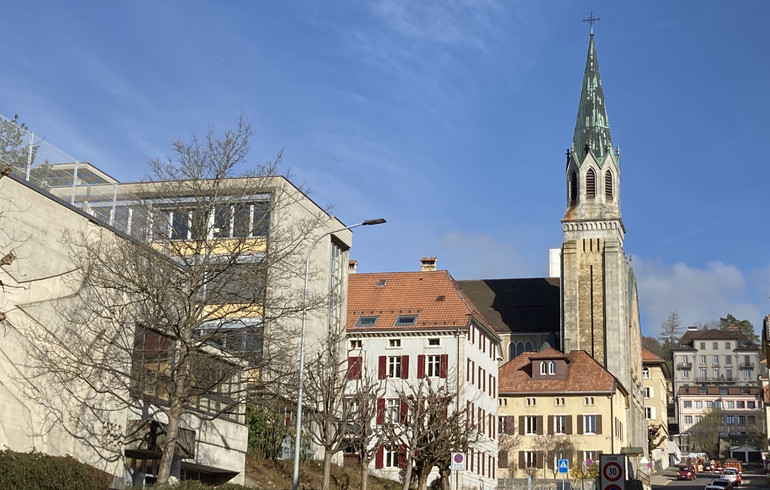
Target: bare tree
[192, 314]
[554, 448]
[428, 429]
[365, 437]
[328, 416]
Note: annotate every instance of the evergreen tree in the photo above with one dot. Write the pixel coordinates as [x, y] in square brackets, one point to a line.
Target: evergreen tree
[670, 333]
[744, 326]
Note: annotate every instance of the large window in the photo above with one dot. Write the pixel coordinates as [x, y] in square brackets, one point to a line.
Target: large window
[394, 366]
[391, 457]
[560, 424]
[589, 424]
[433, 365]
[392, 407]
[649, 412]
[530, 425]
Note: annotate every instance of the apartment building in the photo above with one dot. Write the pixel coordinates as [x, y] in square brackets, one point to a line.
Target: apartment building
[404, 327]
[718, 369]
[558, 406]
[655, 376]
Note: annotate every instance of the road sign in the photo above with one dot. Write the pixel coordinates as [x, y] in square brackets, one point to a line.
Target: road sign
[612, 471]
[458, 462]
[563, 466]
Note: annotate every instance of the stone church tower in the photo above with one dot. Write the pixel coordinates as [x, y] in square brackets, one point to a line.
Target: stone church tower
[600, 313]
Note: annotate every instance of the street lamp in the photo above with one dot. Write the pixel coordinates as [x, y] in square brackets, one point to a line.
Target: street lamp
[369, 222]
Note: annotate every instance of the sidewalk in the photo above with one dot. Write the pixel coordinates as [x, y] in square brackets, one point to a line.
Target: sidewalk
[663, 479]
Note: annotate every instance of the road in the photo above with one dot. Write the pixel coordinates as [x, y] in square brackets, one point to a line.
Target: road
[750, 481]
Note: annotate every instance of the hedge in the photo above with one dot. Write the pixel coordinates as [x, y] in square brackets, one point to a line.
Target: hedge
[38, 471]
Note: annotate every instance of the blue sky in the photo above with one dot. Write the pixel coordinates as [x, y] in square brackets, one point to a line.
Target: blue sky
[448, 118]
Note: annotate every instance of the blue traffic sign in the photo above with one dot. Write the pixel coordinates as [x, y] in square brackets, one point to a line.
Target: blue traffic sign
[563, 466]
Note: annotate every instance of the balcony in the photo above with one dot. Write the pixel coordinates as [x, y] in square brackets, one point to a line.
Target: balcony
[718, 380]
[684, 365]
[746, 365]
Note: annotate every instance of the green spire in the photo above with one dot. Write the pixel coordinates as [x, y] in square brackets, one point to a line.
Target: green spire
[592, 128]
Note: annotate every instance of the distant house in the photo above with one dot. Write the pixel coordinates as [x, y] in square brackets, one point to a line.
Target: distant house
[405, 326]
[655, 389]
[558, 406]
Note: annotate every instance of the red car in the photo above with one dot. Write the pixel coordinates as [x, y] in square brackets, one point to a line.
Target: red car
[686, 472]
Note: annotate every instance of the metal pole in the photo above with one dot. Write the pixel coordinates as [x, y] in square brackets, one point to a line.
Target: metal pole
[29, 154]
[298, 428]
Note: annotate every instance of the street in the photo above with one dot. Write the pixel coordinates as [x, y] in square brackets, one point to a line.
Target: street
[750, 480]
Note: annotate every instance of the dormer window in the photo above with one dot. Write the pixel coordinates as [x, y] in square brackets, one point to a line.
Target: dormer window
[547, 367]
[405, 320]
[608, 184]
[366, 321]
[590, 184]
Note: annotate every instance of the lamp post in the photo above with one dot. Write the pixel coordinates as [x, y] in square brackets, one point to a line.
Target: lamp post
[297, 438]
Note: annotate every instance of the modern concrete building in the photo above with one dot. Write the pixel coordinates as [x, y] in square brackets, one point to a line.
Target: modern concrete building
[407, 326]
[79, 197]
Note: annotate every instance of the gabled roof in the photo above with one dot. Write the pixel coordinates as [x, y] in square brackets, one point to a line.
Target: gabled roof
[691, 336]
[651, 358]
[517, 305]
[584, 375]
[433, 296]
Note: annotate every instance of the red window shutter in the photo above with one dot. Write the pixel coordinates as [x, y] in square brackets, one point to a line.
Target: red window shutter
[581, 423]
[550, 425]
[383, 367]
[481, 464]
[420, 366]
[539, 425]
[522, 463]
[521, 425]
[403, 412]
[468, 369]
[598, 424]
[354, 367]
[569, 424]
[404, 367]
[380, 411]
[444, 365]
[402, 456]
[379, 457]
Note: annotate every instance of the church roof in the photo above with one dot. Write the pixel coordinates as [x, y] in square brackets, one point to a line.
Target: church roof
[592, 128]
[517, 305]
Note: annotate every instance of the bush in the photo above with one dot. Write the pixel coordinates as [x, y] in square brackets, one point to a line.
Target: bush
[196, 485]
[38, 471]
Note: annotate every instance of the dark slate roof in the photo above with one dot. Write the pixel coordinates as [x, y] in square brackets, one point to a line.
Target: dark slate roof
[592, 128]
[716, 390]
[517, 305]
[691, 336]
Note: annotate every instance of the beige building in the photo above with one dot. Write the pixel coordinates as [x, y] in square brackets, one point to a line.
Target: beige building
[555, 406]
[655, 389]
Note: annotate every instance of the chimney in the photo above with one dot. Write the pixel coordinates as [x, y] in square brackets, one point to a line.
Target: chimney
[352, 266]
[428, 264]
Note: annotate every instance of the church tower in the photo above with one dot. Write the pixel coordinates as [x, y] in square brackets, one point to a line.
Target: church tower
[599, 310]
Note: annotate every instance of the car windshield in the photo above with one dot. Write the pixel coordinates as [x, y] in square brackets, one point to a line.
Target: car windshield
[684, 468]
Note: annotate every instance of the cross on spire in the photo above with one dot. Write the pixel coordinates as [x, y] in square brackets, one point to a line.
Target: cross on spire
[591, 19]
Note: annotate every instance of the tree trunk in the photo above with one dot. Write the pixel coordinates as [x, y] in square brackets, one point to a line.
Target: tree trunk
[327, 470]
[407, 473]
[169, 442]
[364, 473]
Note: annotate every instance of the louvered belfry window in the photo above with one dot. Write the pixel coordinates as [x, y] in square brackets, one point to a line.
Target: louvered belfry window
[573, 188]
[608, 184]
[590, 183]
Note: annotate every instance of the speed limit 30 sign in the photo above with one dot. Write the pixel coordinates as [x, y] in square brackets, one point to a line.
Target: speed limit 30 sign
[611, 471]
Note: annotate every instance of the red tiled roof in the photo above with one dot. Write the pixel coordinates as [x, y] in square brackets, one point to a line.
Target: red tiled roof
[651, 358]
[584, 375]
[431, 295]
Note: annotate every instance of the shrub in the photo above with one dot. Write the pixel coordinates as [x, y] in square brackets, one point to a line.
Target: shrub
[38, 471]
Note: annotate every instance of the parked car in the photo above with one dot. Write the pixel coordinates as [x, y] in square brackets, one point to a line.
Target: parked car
[733, 463]
[732, 475]
[713, 487]
[722, 482]
[686, 472]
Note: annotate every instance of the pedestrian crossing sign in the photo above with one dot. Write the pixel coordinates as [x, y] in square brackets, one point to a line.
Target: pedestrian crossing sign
[563, 466]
